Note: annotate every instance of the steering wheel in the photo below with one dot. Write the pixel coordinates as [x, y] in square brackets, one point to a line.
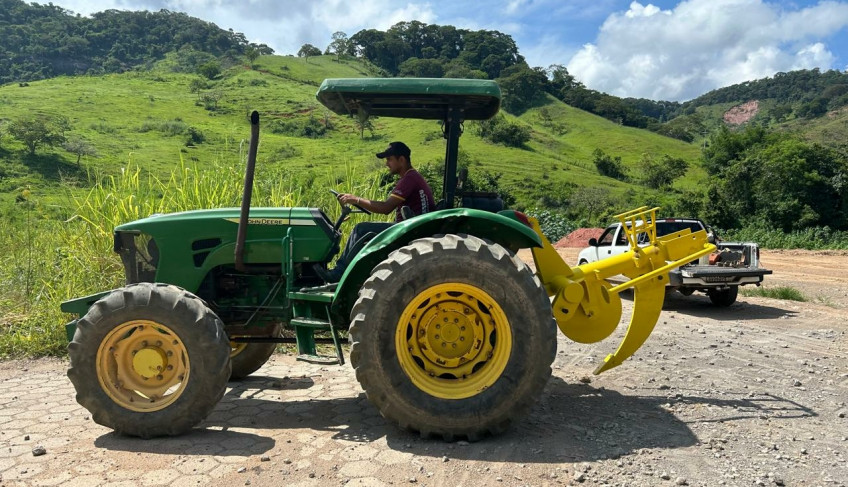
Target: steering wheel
[361, 209]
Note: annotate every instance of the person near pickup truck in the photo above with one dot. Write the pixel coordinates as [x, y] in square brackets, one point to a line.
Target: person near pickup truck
[411, 191]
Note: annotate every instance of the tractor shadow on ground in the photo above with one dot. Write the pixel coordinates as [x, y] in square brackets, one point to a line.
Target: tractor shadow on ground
[571, 423]
[197, 442]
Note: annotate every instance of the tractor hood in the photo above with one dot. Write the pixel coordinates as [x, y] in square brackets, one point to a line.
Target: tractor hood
[222, 218]
[181, 248]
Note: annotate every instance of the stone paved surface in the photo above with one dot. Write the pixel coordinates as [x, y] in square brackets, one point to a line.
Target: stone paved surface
[708, 401]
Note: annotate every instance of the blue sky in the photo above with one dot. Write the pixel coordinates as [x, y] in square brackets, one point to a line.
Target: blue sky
[660, 49]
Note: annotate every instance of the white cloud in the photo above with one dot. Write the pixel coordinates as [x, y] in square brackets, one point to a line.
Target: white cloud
[701, 45]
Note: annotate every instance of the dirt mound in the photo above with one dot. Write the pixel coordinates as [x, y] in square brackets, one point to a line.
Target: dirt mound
[742, 113]
[579, 237]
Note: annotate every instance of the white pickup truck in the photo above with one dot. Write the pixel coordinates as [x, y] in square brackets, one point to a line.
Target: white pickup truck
[719, 274]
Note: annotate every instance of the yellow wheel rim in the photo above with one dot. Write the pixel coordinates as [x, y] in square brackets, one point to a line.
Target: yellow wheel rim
[142, 365]
[236, 348]
[453, 341]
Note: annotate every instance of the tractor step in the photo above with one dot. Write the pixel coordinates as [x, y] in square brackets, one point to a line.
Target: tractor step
[319, 296]
[314, 323]
[319, 359]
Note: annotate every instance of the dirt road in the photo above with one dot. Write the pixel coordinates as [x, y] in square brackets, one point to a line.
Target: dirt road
[754, 394]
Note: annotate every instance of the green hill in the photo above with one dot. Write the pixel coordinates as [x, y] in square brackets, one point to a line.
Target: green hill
[148, 118]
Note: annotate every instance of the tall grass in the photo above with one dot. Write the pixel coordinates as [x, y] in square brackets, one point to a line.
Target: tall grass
[47, 261]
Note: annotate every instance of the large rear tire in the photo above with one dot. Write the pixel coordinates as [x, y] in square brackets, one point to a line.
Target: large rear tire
[452, 336]
[247, 358]
[724, 297]
[149, 360]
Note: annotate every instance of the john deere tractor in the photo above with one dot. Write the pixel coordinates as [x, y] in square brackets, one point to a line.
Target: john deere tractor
[451, 333]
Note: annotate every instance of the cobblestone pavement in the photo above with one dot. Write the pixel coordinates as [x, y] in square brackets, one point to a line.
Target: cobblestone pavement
[750, 395]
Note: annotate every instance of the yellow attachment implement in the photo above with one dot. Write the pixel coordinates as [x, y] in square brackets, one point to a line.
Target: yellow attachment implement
[587, 308]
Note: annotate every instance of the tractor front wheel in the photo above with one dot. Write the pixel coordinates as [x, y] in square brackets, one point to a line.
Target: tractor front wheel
[149, 360]
[452, 336]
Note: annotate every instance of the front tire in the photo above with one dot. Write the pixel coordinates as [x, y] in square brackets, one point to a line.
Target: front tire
[723, 297]
[149, 360]
[452, 336]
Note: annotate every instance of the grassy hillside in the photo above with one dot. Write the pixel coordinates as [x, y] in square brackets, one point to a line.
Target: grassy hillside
[147, 117]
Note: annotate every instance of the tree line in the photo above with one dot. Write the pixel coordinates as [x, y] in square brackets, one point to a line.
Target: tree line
[43, 41]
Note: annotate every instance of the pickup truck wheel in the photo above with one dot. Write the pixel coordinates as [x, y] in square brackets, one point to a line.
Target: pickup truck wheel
[723, 297]
[149, 360]
[452, 336]
[247, 358]
[583, 261]
[686, 291]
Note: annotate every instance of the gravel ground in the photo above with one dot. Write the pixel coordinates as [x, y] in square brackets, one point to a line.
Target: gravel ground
[754, 394]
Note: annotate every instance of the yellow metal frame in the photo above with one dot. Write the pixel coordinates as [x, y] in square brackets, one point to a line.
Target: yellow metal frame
[453, 340]
[142, 365]
[588, 309]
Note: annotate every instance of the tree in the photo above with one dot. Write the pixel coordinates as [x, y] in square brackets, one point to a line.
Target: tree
[210, 99]
[210, 70]
[80, 147]
[522, 87]
[197, 85]
[251, 53]
[659, 174]
[37, 130]
[363, 123]
[339, 44]
[421, 68]
[308, 50]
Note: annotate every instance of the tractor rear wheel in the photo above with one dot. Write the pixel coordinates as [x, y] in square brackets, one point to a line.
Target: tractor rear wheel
[247, 358]
[149, 360]
[452, 336]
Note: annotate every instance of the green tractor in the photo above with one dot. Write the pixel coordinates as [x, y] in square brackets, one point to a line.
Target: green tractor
[451, 334]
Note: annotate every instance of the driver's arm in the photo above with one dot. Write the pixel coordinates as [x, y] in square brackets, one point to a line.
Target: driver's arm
[383, 207]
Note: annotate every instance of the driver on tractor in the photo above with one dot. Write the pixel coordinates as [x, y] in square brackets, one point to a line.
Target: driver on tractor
[411, 191]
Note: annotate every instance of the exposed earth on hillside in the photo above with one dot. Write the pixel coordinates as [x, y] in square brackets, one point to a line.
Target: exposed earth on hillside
[579, 238]
[750, 395]
[742, 113]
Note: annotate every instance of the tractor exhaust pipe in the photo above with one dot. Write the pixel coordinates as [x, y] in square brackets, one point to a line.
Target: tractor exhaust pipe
[248, 191]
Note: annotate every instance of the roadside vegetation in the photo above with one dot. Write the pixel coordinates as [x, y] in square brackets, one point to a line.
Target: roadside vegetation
[781, 292]
[48, 261]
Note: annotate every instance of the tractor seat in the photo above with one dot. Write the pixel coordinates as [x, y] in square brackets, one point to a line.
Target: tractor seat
[482, 201]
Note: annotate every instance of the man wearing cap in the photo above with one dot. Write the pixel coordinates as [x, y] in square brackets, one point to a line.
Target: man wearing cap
[411, 190]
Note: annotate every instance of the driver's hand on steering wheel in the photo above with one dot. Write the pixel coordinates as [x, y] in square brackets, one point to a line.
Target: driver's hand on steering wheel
[349, 199]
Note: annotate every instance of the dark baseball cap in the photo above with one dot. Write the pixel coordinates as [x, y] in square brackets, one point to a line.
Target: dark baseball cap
[395, 149]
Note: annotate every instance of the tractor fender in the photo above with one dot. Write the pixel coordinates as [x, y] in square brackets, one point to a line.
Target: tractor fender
[79, 307]
[503, 228]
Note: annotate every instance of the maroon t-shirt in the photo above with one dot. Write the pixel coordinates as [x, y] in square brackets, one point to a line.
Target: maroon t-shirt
[415, 193]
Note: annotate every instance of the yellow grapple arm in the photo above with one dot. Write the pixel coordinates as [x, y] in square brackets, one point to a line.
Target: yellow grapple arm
[587, 308]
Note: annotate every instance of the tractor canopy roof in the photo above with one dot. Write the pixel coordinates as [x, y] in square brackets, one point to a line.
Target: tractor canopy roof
[425, 98]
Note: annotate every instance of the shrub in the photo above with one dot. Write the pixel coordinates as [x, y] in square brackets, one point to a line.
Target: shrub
[502, 131]
[609, 166]
[195, 137]
[554, 224]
